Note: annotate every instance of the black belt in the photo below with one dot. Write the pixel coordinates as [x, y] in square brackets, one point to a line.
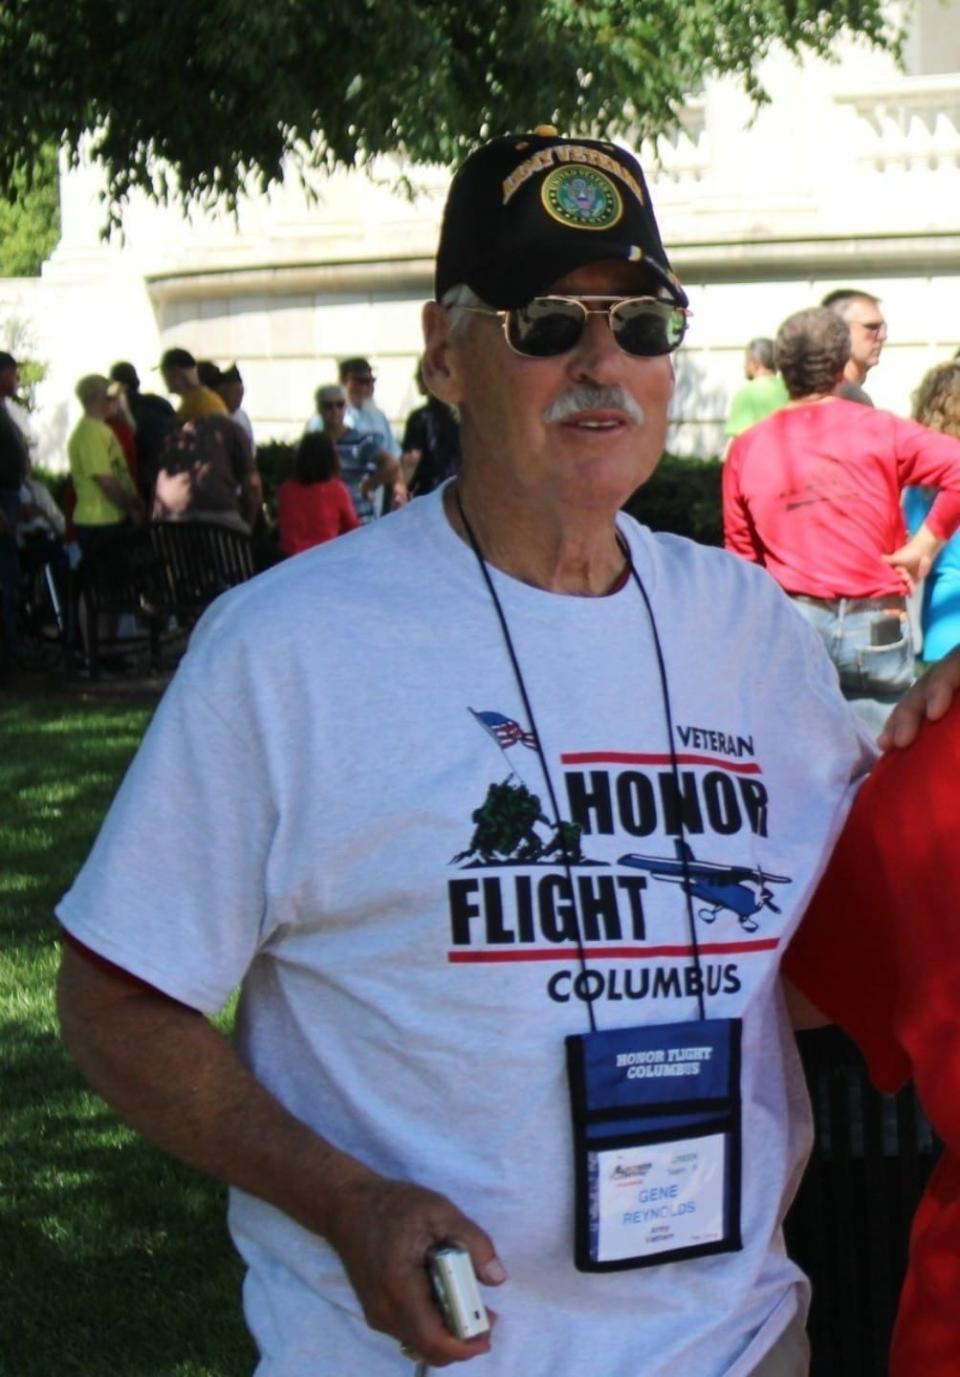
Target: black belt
[894, 603]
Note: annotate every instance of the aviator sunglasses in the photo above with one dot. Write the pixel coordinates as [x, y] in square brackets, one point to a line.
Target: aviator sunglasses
[550, 325]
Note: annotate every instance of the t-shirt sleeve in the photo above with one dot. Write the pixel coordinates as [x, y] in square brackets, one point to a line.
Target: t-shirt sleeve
[174, 888]
[879, 947]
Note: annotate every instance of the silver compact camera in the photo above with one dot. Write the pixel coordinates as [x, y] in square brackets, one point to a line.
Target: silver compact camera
[457, 1293]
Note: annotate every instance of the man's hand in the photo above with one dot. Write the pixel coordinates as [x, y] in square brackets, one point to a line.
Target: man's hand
[180, 1083]
[383, 1231]
[930, 697]
[913, 560]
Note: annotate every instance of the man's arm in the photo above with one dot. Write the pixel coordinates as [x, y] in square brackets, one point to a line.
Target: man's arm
[168, 1072]
[251, 497]
[913, 560]
[124, 500]
[385, 472]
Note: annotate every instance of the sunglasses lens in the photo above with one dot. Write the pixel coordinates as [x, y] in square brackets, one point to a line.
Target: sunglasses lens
[545, 326]
[648, 328]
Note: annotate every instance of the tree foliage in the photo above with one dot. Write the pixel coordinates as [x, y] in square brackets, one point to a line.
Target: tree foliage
[30, 217]
[198, 99]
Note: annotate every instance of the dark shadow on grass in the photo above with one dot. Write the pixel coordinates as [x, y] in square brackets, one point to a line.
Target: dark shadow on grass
[62, 763]
[116, 1259]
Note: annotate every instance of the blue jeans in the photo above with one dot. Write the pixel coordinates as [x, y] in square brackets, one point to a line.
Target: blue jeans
[872, 648]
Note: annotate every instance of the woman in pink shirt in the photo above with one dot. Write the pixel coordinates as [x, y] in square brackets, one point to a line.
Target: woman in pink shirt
[314, 505]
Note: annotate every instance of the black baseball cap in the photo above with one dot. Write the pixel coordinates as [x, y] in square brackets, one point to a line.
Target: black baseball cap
[526, 209]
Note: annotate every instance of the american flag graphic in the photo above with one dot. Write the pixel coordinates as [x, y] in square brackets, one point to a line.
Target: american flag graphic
[504, 730]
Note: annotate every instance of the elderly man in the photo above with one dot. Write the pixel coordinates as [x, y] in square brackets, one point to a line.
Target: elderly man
[860, 312]
[813, 494]
[358, 379]
[509, 970]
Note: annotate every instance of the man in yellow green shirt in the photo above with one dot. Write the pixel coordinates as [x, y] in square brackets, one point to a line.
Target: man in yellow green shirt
[106, 495]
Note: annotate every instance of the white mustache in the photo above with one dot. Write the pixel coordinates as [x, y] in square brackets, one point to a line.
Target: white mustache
[586, 397]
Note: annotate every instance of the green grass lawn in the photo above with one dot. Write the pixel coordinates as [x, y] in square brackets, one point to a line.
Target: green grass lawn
[114, 1260]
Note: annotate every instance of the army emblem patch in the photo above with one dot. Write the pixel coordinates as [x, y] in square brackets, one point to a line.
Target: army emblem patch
[581, 197]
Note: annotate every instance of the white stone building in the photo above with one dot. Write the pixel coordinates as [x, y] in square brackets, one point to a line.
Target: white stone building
[850, 176]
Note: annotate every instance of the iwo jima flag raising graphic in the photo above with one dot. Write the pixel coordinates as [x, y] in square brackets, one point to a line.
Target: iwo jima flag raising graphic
[516, 905]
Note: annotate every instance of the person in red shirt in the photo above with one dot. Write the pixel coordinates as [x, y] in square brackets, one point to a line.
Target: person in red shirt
[121, 422]
[314, 505]
[879, 953]
[813, 494]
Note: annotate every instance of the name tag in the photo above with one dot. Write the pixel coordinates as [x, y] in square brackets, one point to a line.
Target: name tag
[657, 1151]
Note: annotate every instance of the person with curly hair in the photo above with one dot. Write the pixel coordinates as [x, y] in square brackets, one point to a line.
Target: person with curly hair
[936, 403]
[813, 494]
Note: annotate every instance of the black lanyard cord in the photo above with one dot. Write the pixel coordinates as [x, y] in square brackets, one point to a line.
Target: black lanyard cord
[541, 755]
[675, 770]
[528, 708]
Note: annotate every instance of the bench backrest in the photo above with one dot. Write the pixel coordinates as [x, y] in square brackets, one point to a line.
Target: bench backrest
[200, 560]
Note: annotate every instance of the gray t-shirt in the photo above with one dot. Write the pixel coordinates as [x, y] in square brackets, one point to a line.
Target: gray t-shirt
[408, 976]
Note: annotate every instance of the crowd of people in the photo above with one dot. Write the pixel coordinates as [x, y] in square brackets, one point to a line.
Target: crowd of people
[136, 457]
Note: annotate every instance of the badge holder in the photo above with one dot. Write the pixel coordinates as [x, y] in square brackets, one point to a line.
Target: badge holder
[657, 1143]
[656, 1111]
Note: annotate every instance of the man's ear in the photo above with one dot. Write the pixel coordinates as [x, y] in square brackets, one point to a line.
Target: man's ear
[440, 355]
